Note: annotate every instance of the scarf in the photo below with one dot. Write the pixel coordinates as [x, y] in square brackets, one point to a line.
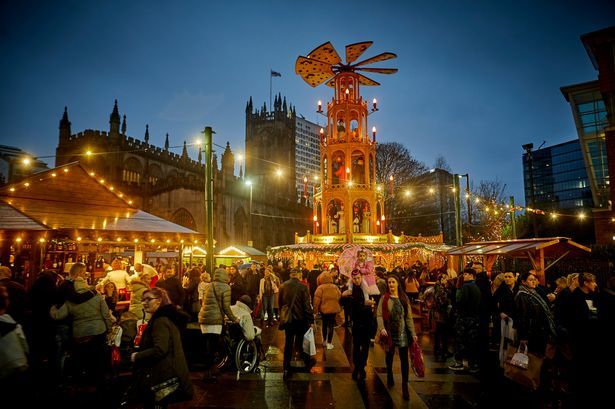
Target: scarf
[536, 300]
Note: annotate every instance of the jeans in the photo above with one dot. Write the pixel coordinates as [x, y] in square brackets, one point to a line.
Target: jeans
[441, 338]
[328, 322]
[467, 337]
[294, 341]
[267, 306]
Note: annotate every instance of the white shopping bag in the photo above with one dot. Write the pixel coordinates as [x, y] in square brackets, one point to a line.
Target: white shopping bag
[309, 345]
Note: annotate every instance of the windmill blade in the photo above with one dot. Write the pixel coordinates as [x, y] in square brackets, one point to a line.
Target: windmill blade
[379, 57]
[325, 53]
[354, 51]
[312, 71]
[379, 70]
[363, 80]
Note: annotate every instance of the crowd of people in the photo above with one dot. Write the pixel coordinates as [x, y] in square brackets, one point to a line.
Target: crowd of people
[472, 315]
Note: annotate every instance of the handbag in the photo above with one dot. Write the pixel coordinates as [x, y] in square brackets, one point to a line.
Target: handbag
[528, 377]
[520, 358]
[286, 316]
[164, 389]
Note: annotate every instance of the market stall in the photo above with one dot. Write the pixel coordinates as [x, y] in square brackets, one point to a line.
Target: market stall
[65, 214]
[543, 253]
[227, 256]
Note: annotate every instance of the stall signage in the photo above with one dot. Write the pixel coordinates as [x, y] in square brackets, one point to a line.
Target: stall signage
[329, 239]
[367, 239]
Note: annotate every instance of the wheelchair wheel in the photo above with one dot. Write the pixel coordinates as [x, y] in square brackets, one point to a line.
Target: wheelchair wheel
[246, 356]
[222, 353]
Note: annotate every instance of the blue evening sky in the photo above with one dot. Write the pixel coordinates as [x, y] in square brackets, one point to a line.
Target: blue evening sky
[476, 80]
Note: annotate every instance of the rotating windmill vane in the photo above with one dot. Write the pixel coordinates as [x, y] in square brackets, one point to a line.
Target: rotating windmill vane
[323, 63]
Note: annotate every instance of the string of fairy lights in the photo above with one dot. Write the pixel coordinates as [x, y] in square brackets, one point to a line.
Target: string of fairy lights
[488, 205]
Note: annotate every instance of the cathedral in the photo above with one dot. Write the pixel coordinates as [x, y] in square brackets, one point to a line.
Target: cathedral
[252, 209]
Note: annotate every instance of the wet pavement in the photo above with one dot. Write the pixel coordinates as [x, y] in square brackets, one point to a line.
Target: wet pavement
[329, 383]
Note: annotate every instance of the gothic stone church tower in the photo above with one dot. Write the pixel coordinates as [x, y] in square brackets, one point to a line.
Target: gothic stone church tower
[270, 167]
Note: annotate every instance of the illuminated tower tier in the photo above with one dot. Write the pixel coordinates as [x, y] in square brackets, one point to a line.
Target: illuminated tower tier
[348, 201]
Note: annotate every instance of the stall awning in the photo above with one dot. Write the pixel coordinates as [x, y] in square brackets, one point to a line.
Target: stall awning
[69, 198]
[240, 251]
[553, 247]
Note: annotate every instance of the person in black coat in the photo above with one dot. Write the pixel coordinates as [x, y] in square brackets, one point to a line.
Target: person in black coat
[161, 356]
[362, 326]
[17, 295]
[172, 285]
[312, 277]
[237, 283]
[302, 317]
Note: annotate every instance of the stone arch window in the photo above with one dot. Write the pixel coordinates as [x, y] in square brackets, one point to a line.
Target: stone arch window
[183, 217]
[132, 170]
[338, 168]
[335, 217]
[361, 216]
[358, 167]
[173, 176]
[154, 174]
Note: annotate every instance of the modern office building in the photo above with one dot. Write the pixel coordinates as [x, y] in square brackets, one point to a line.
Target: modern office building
[560, 178]
[589, 113]
[307, 155]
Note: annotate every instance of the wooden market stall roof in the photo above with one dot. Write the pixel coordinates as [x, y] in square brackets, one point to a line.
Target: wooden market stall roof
[69, 198]
[536, 250]
[240, 251]
[553, 247]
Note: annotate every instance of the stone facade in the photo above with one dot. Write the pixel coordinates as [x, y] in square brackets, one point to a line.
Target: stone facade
[172, 186]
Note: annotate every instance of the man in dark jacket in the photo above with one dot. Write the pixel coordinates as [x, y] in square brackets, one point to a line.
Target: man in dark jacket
[468, 301]
[252, 282]
[312, 278]
[17, 295]
[173, 285]
[301, 317]
[362, 325]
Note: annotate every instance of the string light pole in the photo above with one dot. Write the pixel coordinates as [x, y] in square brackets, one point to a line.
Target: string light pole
[528, 150]
[458, 235]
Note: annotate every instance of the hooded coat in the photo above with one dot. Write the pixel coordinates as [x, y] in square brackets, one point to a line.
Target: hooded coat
[136, 305]
[161, 354]
[89, 318]
[217, 300]
[327, 296]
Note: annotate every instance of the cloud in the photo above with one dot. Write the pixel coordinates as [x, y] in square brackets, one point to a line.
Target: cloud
[187, 107]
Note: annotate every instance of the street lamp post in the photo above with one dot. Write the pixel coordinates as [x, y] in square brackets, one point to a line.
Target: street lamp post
[458, 236]
[249, 183]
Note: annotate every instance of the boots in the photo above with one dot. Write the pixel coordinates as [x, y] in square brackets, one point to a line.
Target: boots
[390, 381]
[404, 391]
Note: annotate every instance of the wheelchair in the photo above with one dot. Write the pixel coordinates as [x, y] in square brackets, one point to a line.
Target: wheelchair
[235, 351]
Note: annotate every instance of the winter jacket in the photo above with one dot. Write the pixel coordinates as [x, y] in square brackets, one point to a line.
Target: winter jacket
[17, 298]
[467, 300]
[252, 281]
[217, 298]
[302, 308]
[238, 288]
[327, 296]
[89, 318]
[191, 303]
[244, 313]
[275, 285]
[13, 347]
[174, 289]
[161, 355]
[504, 298]
[362, 315]
[136, 305]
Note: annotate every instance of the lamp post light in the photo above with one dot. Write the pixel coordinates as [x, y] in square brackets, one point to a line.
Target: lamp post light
[209, 197]
[249, 184]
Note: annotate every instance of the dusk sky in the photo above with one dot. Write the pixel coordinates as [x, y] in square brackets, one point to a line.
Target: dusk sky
[476, 80]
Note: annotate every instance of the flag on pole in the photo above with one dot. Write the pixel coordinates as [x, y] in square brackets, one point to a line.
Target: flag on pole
[275, 74]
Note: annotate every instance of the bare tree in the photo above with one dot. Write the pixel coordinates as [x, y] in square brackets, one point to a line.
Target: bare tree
[441, 163]
[394, 159]
[490, 213]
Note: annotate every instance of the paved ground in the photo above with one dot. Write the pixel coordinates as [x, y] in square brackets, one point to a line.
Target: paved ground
[329, 383]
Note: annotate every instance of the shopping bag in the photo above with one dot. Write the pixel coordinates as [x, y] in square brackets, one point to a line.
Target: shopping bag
[520, 358]
[141, 325]
[257, 309]
[309, 344]
[416, 359]
[528, 377]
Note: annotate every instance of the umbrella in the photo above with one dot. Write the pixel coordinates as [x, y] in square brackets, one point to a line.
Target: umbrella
[245, 266]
